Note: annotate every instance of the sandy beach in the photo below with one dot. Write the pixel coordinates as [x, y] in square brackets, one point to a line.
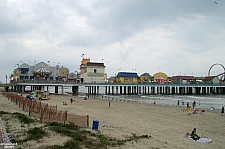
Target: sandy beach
[167, 125]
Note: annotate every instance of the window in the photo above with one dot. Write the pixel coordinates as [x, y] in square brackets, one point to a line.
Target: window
[95, 70]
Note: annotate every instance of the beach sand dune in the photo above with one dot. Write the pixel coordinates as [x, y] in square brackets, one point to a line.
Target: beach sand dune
[167, 125]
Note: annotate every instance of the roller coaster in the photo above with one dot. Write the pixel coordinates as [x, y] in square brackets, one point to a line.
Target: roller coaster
[221, 76]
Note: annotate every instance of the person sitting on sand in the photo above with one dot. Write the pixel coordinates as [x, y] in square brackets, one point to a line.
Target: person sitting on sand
[195, 111]
[194, 135]
[188, 135]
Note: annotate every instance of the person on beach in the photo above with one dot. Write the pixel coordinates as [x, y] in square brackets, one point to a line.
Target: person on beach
[183, 103]
[71, 100]
[178, 102]
[194, 135]
[189, 111]
[194, 104]
[109, 103]
[187, 104]
[222, 110]
[195, 111]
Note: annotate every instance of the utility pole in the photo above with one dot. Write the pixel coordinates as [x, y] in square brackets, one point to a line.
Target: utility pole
[6, 78]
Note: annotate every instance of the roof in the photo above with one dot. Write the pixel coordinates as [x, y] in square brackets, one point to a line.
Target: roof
[42, 70]
[111, 78]
[209, 77]
[95, 64]
[127, 74]
[183, 77]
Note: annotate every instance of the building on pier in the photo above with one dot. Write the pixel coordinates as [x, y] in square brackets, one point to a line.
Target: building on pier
[127, 77]
[39, 71]
[92, 72]
[211, 80]
[183, 79]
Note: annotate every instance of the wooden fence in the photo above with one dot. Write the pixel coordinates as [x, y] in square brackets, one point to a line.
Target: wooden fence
[45, 112]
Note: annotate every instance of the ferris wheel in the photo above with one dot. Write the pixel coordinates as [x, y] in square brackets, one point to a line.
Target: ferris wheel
[221, 75]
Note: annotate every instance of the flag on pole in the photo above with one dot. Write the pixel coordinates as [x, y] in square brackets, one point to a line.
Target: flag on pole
[48, 61]
[82, 55]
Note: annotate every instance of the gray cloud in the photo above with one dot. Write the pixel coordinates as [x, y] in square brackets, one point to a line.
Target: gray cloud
[148, 36]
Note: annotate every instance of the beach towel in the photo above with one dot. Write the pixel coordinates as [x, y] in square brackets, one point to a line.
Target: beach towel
[204, 140]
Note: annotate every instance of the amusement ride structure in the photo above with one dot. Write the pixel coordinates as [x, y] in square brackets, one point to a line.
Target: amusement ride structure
[42, 73]
[221, 75]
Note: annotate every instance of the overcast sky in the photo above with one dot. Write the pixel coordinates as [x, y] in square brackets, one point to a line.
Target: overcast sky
[176, 37]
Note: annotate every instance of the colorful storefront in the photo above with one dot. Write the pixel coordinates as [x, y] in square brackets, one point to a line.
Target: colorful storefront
[126, 77]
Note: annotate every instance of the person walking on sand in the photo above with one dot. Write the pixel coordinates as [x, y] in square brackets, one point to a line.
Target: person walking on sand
[71, 100]
[194, 103]
[222, 110]
[109, 103]
[178, 102]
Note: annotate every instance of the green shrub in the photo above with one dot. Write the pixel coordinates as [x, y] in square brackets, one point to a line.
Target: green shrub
[23, 118]
[102, 138]
[72, 144]
[36, 133]
[120, 142]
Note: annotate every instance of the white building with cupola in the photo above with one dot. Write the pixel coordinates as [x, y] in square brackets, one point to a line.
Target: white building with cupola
[92, 72]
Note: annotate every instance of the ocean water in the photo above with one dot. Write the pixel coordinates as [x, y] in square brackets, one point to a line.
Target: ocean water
[202, 101]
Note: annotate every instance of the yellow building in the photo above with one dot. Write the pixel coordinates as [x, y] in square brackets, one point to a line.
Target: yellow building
[64, 72]
[160, 77]
[126, 77]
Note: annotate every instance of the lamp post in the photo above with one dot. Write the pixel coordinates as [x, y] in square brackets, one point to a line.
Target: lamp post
[75, 76]
[6, 78]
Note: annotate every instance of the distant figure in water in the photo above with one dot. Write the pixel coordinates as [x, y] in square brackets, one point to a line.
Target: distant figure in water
[222, 110]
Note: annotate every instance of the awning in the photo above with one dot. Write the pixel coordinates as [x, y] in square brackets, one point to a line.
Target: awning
[24, 69]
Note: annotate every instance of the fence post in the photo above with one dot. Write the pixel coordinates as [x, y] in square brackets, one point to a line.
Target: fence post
[65, 118]
[41, 117]
[87, 121]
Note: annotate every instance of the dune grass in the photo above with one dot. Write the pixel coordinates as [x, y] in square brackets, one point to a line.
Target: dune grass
[80, 138]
